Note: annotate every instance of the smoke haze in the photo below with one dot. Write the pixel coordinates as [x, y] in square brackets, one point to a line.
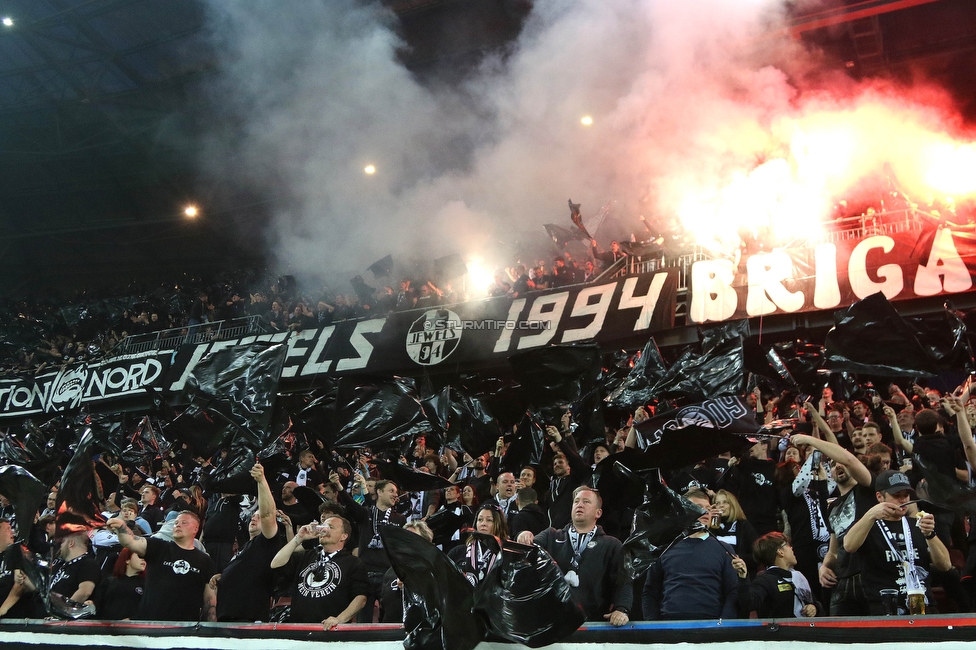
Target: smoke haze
[687, 99]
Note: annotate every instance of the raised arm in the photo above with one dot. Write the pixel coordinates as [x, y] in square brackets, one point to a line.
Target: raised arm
[293, 547]
[838, 454]
[135, 544]
[822, 425]
[266, 503]
[957, 406]
[896, 430]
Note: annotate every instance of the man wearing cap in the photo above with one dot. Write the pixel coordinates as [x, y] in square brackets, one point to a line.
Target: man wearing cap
[897, 549]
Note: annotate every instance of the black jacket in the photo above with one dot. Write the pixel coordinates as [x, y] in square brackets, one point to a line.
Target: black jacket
[770, 595]
[604, 584]
[530, 518]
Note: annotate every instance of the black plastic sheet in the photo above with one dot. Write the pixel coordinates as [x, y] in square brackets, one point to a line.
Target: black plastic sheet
[557, 374]
[463, 421]
[25, 493]
[526, 598]
[694, 432]
[312, 414]
[528, 444]
[503, 399]
[619, 486]
[437, 599]
[107, 430]
[203, 432]
[79, 492]
[658, 522]
[870, 337]
[444, 523]
[945, 339]
[376, 414]
[36, 568]
[232, 474]
[635, 389]
[719, 370]
[805, 362]
[409, 479]
[240, 384]
[71, 610]
[944, 494]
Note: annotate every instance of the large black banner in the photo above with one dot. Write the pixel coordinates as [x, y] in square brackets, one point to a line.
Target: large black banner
[920, 262]
[92, 383]
[477, 333]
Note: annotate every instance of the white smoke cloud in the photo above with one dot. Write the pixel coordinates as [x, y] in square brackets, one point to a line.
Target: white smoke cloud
[684, 96]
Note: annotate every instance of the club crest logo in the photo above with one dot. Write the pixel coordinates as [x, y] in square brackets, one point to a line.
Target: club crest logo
[434, 336]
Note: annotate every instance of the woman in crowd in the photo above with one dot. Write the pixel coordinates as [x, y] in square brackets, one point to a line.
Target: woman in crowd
[117, 598]
[476, 557]
[734, 529]
[452, 503]
[469, 497]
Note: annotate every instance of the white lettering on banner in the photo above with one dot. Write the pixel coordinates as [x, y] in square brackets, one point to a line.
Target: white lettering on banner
[505, 339]
[826, 292]
[890, 274]
[712, 295]
[198, 353]
[298, 345]
[539, 314]
[598, 310]
[647, 302]
[313, 366]
[945, 271]
[202, 350]
[715, 413]
[359, 343]
[69, 387]
[766, 273]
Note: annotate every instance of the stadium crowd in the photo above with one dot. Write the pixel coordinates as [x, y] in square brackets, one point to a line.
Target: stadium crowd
[38, 334]
[821, 518]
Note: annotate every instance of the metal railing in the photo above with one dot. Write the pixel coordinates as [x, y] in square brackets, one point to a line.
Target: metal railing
[202, 333]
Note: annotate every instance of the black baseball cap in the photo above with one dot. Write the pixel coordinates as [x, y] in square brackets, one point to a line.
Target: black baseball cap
[892, 482]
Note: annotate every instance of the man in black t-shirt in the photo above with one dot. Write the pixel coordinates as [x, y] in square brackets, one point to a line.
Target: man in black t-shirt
[246, 584]
[177, 574]
[897, 551]
[330, 582]
[76, 573]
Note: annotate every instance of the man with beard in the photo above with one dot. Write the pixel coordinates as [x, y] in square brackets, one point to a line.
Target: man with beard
[176, 572]
[330, 585]
[245, 585]
[76, 573]
[568, 473]
[592, 562]
[841, 571]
